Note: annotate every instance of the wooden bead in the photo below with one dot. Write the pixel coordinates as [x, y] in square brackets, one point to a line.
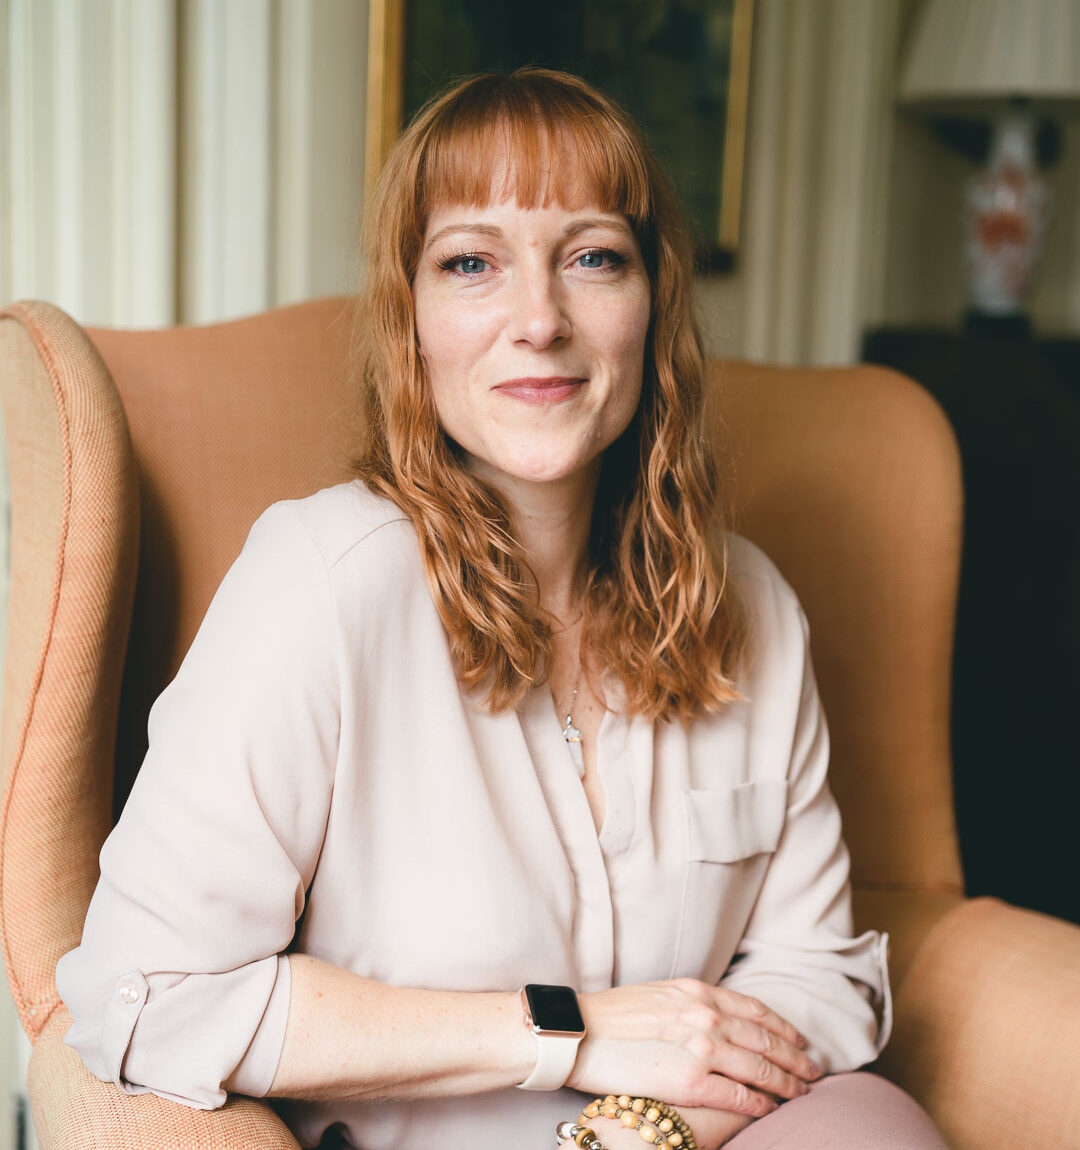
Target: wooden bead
[657, 1123]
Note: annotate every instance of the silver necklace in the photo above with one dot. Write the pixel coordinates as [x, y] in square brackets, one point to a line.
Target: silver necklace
[572, 734]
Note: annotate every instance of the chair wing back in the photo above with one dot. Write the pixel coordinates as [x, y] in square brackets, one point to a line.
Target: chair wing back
[850, 480]
[225, 420]
[73, 546]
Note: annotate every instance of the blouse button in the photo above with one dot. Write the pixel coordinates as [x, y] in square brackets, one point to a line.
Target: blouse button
[129, 993]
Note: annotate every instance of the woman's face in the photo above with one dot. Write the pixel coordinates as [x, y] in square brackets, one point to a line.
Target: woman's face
[532, 325]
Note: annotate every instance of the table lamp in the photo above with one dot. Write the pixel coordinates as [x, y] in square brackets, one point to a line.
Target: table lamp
[1012, 61]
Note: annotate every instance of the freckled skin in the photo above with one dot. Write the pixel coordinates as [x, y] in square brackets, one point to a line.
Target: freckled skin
[504, 293]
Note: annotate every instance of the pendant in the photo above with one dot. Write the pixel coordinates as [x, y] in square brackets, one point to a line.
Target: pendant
[573, 740]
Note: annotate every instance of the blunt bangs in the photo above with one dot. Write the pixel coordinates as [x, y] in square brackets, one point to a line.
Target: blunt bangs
[522, 135]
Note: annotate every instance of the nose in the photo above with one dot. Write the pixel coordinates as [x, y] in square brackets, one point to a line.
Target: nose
[540, 315]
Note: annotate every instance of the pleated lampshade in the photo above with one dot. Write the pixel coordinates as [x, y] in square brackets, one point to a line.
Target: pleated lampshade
[988, 51]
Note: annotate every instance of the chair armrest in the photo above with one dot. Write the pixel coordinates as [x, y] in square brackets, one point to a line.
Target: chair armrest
[987, 1026]
[73, 1110]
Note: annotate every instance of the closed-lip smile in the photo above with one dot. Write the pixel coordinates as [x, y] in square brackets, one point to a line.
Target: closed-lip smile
[541, 389]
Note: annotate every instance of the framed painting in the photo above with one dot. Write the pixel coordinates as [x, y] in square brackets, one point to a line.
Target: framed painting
[681, 68]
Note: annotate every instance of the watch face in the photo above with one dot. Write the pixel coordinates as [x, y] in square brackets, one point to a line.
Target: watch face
[554, 1008]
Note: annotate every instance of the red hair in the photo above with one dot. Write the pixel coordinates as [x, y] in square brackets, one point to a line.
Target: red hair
[659, 612]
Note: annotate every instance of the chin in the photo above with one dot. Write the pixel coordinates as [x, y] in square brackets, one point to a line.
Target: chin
[539, 475]
[544, 469]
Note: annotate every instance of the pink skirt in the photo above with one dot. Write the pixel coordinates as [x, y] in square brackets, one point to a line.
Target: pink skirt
[857, 1111]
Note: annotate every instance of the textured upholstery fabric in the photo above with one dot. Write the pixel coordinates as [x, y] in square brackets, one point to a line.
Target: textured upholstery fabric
[74, 526]
[908, 915]
[987, 1025]
[848, 479]
[225, 420]
[73, 1110]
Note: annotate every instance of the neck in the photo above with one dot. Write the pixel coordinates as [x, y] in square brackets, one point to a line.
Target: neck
[552, 521]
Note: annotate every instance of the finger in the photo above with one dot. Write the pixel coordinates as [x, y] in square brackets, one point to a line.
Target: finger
[720, 1093]
[751, 1036]
[756, 1071]
[754, 1010]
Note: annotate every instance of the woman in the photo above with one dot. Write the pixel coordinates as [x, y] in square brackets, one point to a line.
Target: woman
[505, 710]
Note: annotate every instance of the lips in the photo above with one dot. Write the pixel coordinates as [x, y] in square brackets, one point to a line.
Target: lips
[542, 389]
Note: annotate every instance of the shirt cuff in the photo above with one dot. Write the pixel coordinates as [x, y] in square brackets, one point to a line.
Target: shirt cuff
[185, 1037]
[839, 998]
[256, 1071]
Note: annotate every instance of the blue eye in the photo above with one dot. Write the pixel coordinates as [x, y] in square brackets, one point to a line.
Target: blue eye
[600, 258]
[466, 265]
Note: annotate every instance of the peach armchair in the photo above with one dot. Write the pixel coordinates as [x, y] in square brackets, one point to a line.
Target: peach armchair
[138, 460]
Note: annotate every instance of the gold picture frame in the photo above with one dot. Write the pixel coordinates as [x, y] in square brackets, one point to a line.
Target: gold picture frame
[387, 80]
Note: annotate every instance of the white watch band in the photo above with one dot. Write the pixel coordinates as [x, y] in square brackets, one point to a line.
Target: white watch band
[556, 1048]
[555, 1057]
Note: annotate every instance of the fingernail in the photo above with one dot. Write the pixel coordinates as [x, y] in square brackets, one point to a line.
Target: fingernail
[804, 1042]
[803, 1088]
[815, 1070]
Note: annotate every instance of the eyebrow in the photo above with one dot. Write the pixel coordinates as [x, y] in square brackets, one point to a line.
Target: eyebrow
[474, 229]
[572, 229]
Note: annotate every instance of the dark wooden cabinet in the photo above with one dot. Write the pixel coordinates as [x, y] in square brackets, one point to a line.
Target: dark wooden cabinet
[1014, 401]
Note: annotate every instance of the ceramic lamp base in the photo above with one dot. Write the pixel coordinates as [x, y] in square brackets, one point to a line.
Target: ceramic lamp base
[1006, 211]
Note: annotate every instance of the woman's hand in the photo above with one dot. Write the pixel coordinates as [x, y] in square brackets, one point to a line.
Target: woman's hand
[690, 1045]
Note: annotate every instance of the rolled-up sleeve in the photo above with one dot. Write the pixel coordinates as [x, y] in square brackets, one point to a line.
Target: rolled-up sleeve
[180, 985]
[798, 954]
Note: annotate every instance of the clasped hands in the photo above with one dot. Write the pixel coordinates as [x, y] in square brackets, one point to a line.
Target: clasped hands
[720, 1057]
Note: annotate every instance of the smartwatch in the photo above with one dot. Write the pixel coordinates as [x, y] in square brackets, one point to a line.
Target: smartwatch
[553, 1015]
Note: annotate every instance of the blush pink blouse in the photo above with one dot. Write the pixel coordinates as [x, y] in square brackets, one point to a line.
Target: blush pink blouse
[317, 781]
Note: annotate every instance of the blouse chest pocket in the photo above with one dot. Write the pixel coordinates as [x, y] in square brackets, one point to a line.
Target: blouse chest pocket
[731, 835]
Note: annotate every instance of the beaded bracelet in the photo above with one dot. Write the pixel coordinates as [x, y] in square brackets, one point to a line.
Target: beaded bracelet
[657, 1123]
[580, 1135]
